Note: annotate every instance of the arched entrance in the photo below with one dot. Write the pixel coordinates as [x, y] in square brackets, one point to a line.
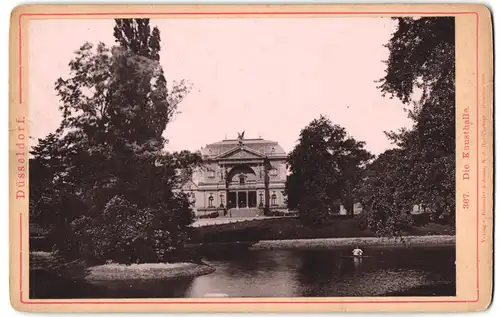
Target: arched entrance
[241, 187]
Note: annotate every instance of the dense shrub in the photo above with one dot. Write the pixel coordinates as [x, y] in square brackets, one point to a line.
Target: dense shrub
[421, 219]
[125, 233]
[314, 211]
[362, 221]
[385, 222]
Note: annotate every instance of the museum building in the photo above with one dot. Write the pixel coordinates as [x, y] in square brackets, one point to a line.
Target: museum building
[239, 177]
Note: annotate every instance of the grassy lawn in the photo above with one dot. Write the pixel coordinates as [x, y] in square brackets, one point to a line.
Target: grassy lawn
[292, 228]
[277, 229]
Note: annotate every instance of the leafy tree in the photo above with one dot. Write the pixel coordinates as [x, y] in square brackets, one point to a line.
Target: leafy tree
[323, 166]
[385, 195]
[422, 171]
[110, 187]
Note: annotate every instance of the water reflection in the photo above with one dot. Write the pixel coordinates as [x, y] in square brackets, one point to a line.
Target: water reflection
[289, 273]
[265, 273]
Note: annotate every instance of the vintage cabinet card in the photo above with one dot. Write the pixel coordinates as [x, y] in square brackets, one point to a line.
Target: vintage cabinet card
[251, 158]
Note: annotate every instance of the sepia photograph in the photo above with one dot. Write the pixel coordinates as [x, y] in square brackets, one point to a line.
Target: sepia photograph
[242, 157]
[174, 157]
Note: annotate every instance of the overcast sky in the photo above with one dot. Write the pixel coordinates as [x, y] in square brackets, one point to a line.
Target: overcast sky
[269, 77]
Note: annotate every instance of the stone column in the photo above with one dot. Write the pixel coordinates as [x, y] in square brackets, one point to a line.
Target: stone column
[247, 198]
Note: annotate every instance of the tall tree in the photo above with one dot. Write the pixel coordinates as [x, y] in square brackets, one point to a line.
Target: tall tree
[421, 62]
[422, 56]
[323, 165]
[105, 154]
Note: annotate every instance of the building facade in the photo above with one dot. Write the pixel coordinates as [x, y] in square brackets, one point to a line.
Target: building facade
[239, 177]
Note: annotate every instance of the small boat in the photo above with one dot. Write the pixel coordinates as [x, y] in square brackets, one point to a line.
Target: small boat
[355, 256]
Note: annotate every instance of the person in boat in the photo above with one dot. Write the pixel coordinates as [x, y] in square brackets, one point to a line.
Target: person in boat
[357, 252]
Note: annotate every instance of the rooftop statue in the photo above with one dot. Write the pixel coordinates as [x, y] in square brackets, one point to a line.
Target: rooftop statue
[241, 137]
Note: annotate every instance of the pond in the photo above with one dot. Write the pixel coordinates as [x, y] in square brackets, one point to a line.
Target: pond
[402, 271]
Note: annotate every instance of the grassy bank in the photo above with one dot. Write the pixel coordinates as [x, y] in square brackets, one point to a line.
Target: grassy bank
[45, 264]
[146, 271]
[292, 228]
[428, 241]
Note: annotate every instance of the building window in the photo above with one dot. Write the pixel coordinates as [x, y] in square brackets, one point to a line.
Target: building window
[211, 201]
[242, 179]
[273, 199]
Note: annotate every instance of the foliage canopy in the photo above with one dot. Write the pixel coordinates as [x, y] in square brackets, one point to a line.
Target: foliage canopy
[102, 182]
[421, 171]
[324, 167]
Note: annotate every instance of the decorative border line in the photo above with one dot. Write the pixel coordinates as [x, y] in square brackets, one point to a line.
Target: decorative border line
[281, 13]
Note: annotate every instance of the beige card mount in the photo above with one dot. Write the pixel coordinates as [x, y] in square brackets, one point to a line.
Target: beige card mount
[251, 158]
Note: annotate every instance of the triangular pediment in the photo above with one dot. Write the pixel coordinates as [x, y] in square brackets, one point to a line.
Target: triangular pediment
[241, 153]
[189, 185]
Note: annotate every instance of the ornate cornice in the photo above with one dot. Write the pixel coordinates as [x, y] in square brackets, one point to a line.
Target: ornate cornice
[239, 148]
